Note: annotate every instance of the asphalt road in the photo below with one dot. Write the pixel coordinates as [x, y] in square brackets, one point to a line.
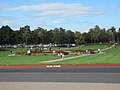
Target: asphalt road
[81, 74]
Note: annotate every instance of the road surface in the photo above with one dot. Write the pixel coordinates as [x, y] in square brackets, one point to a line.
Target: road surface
[78, 74]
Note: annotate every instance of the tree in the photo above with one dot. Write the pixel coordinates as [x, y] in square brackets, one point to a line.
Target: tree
[49, 37]
[95, 33]
[92, 35]
[16, 36]
[103, 37]
[6, 35]
[112, 31]
[118, 36]
[25, 34]
[79, 38]
[39, 35]
[59, 36]
[87, 37]
[56, 36]
[62, 36]
[70, 37]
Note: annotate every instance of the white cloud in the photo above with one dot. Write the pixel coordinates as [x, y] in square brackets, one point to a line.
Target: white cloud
[18, 22]
[100, 12]
[47, 14]
[51, 7]
[116, 7]
[57, 22]
[4, 6]
[55, 9]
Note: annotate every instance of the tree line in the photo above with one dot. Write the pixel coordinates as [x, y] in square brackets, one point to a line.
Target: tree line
[57, 36]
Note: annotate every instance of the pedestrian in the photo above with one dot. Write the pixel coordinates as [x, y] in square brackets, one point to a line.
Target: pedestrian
[31, 48]
[86, 51]
[54, 53]
[62, 56]
[29, 52]
[41, 49]
[58, 54]
[10, 51]
[50, 48]
[98, 50]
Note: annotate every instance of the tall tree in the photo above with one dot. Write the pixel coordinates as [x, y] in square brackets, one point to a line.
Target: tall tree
[95, 33]
[103, 37]
[6, 35]
[40, 35]
[92, 35]
[112, 31]
[25, 34]
[118, 36]
[59, 36]
[79, 38]
[62, 36]
[70, 37]
[56, 36]
[87, 37]
[49, 37]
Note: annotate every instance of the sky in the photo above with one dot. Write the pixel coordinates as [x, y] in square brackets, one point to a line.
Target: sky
[75, 15]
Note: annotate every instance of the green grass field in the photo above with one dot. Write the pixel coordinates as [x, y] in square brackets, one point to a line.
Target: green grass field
[111, 56]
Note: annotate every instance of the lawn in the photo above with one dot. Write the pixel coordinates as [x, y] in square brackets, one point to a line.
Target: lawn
[111, 56]
[22, 59]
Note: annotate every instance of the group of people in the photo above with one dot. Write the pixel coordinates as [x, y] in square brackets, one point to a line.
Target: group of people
[29, 52]
[59, 54]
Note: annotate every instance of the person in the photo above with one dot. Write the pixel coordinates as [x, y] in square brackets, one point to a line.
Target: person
[50, 48]
[98, 50]
[62, 56]
[58, 55]
[53, 52]
[10, 51]
[86, 51]
[41, 49]
[31, 48]
[29, 52]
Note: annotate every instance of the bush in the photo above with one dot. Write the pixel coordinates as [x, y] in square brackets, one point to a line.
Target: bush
[3, 49]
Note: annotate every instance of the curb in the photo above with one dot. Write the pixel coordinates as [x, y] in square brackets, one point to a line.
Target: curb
[57, 66]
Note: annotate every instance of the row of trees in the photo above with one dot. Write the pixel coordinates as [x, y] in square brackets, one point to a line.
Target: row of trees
[57, 36]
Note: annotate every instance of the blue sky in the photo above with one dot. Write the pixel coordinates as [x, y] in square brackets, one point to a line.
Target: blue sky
[76, 15]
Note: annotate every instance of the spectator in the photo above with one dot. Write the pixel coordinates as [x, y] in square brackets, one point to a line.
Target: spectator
[41, 49]
[29, 52]
[58, 54]
[62, 56]
[10, 51]
[99, 50]
[54, 53]
[50, 48]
